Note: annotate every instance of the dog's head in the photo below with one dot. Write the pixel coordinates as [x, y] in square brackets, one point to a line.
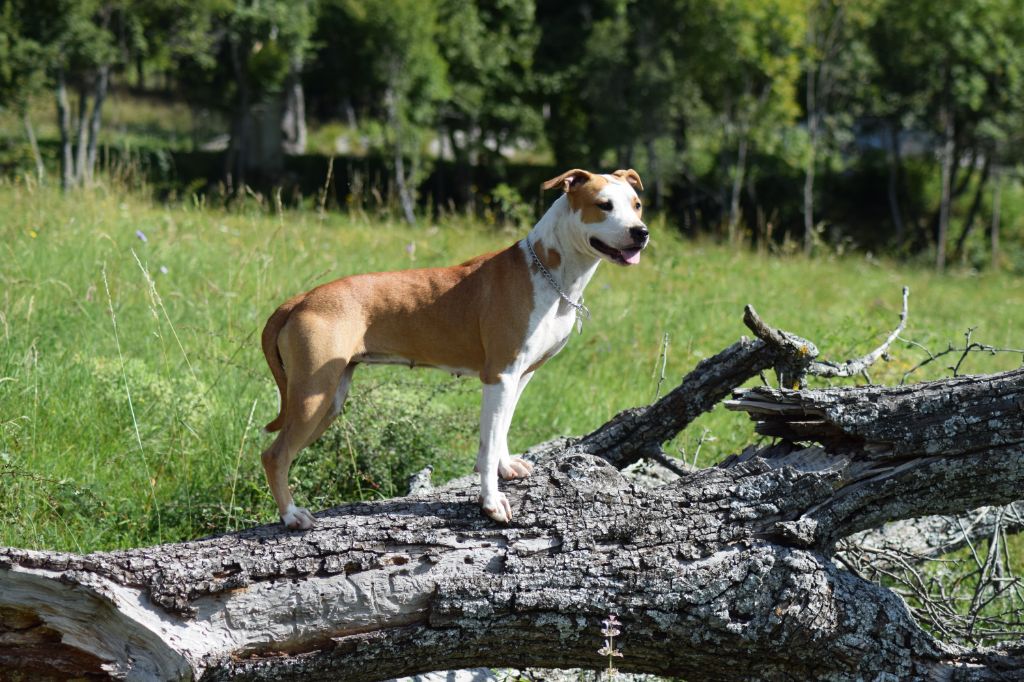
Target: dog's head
[606, 213]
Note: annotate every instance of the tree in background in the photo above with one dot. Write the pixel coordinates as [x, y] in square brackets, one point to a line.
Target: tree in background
[566, 73]
[22, 74]
[837, 67]
[250, 71]
[753, 90]
[951, 69]
[382, 56]
[81, 43]
[614, 78]
[488, 46]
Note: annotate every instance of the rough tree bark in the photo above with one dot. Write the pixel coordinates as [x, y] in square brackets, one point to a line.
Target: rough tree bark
[726, 573]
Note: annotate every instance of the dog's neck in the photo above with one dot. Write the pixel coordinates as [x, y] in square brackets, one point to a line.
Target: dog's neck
[578, 264]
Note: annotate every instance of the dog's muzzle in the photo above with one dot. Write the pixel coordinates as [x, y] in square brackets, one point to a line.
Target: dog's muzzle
[626, 255]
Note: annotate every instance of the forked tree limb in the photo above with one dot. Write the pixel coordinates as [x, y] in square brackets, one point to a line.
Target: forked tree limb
[726, 573]
[640, 431]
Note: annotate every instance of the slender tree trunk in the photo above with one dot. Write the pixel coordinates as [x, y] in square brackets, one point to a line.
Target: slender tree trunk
[99, 96]
[812, 132]
[947, 179]
[293, 122]
[241, 124]
[67, 162]
[463, 172]
[30, 132]
[82, 133]
[996, 205]
[895, 165]
[972, 213]
[809, 171]
[140, 72]
[739, 173]
[350, 114]
[401, 182]
[654, 170]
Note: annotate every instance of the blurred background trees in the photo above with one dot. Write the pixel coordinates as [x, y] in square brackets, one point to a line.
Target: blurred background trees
[883, 125]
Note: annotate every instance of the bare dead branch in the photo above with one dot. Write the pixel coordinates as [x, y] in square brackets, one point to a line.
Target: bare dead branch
[968, 348]
[859, 366]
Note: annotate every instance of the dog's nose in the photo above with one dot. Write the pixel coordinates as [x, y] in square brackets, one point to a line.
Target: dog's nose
[639, 234]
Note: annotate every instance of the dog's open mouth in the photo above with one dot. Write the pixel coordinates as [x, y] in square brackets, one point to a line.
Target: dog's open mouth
[629, 256]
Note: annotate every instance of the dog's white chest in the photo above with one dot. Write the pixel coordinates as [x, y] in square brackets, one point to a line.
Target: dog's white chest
[551, 326]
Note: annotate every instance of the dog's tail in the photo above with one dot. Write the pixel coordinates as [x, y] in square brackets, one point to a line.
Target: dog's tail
[270, 351]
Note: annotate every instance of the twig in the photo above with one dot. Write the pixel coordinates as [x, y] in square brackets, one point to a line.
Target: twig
[968, 348]
[794, 353]
[852, 367]
[663, 357]
[670, 463]
[967, 601]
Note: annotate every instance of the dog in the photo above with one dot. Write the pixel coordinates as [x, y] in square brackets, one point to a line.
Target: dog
[498, 316]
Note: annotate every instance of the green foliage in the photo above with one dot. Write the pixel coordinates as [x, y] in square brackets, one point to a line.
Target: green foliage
[509, 207]
[243, 50]
[388, 432]
[22, 62]
[723, 105]
[488, 47]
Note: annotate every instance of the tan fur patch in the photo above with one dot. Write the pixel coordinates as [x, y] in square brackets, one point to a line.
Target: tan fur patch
[584, 199]
[472, 316]
[632, 177]
[568, 180]
[550, 257]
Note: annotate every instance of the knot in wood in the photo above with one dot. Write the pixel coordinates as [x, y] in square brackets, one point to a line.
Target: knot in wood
[581, 470]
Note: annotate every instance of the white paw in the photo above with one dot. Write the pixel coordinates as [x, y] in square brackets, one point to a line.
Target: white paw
[297, 518]
[514, 467]
[497, 507]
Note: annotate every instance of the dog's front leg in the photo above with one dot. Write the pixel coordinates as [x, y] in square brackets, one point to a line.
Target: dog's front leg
[514, 467]
[499, 402]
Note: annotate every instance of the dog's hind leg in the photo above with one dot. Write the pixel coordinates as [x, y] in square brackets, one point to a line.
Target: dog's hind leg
[340, 395]
[318, 380]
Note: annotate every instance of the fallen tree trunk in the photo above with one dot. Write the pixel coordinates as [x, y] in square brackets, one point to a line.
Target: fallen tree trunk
[726, 573]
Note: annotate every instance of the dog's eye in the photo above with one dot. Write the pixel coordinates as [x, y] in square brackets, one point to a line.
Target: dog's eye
[637, 206]
[605, 206]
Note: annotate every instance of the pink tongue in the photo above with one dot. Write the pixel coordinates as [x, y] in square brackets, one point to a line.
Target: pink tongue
[632, 256]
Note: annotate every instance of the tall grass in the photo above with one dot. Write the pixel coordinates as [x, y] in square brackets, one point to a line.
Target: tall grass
[82, 467]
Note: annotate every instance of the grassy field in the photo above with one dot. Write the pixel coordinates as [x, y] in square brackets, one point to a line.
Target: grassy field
[133, 390]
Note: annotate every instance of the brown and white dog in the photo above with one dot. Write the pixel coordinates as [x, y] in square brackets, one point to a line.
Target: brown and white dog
[499, 316]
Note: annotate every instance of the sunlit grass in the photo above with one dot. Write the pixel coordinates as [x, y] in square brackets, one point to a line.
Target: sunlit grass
[190, 289]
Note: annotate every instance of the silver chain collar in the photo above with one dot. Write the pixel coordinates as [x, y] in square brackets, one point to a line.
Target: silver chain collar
[582, 311]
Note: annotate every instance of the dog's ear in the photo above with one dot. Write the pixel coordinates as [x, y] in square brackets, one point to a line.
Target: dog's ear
[632, 177]
[569, 180]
